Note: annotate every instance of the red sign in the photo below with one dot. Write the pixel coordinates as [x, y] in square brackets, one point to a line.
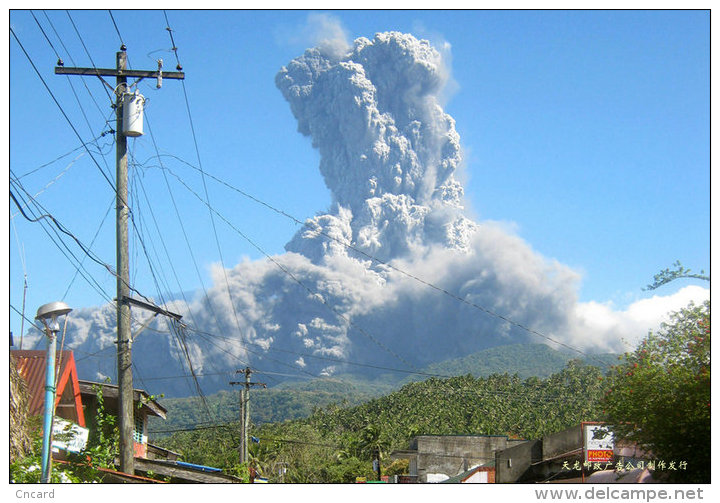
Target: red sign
[599, 455]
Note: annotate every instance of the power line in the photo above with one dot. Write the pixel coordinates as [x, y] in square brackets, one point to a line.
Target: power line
[107, 179]
[451, 388]
[116, 27]
[60, 63]
[250, 351]
[51, 182]
[62, 229]
[82, 42]
[331, 359]
[169, 261]
[231, 425]
[207, 195]
[62, 246]
[229, 372]
[207, 202]
[32, 322]
[187, 241]
[286, 271]
[172, 40]
[107, 212]
[35, 170]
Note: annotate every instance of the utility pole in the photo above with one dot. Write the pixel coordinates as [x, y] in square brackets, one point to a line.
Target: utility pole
[245, 410]
[124, 340]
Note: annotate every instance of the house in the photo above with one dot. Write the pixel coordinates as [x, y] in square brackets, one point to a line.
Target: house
[32, 366]
[144, 407]
[436, 458]
[149, 458]
[77, 401]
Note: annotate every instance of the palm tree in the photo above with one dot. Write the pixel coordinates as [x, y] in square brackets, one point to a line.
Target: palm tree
[373, 444]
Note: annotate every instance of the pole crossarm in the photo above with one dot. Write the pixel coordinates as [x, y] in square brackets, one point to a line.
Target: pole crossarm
[152, 307]
[233, 383]
[112, 72]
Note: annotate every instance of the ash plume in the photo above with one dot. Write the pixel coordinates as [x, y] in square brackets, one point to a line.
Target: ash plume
[393, 273]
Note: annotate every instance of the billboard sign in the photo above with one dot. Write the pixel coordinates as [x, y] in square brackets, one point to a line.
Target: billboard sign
[599, 443]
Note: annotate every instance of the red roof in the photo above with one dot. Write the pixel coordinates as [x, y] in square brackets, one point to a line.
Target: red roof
[32, 364]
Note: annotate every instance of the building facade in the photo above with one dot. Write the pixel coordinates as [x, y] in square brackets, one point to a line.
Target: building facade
[436, 458]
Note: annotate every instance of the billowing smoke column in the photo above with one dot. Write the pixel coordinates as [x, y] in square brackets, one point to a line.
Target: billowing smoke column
[363, 282]
[388, 151]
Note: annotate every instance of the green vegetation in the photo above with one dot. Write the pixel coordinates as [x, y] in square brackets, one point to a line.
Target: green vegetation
[667, 275]
[100, 452]
[336, 444]
[659, 395]
[298, 399]
[287, 401]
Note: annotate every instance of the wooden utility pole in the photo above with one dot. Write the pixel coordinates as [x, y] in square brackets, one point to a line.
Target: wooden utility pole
[245, 410]
[124, 340]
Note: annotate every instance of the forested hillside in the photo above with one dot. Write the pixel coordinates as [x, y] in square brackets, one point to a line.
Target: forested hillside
[288, 401]
[298, 399]
[335, 443]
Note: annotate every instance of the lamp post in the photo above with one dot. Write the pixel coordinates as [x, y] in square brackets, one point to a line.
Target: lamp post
[48, 314]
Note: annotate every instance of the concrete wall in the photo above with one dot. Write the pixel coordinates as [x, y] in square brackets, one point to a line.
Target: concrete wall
[538, 459]
[514, 464]
[562, 442]
[452, 455]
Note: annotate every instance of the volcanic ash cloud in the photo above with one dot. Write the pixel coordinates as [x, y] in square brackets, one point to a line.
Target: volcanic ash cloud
[389, 155]
[392, 273]
[388, 151]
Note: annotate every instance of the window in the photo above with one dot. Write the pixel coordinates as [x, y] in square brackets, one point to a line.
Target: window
[139, 431]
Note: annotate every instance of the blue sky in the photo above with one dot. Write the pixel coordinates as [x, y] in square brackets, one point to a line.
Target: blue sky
[586, 132]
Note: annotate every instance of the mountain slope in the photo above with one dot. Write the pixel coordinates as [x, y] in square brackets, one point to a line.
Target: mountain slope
[298, 399]
[525, 360]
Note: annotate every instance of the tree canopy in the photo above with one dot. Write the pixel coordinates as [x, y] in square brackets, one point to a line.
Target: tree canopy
[659, 395]
[667, 275]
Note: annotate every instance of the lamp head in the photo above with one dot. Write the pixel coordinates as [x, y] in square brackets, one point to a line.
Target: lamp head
[48, 314]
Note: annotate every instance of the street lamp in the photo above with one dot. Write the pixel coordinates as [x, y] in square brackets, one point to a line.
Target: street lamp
[48, 314]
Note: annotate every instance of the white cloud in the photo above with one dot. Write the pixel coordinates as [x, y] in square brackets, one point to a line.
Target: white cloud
[600, 326]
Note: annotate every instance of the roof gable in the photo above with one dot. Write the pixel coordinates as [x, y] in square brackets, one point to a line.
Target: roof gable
[32, 366]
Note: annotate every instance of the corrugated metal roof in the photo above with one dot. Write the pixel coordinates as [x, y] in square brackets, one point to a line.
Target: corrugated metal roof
[31, 365]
